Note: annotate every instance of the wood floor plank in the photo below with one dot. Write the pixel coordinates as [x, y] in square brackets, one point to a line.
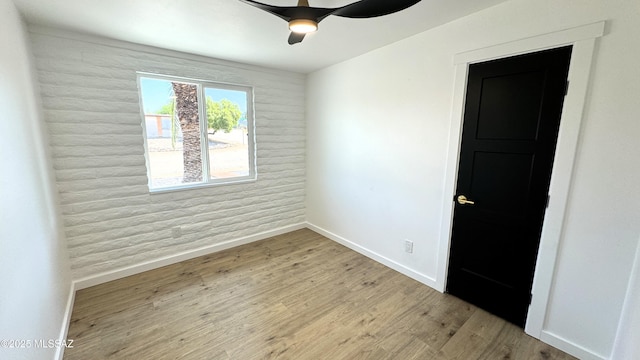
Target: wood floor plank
[293, 296]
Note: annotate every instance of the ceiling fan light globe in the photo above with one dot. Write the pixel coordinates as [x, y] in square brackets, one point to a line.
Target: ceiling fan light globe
[303, 26]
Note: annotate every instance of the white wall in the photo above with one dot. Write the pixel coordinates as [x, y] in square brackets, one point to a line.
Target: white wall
[627, 345]
[378, 127]
[92, 110]
[34, 275]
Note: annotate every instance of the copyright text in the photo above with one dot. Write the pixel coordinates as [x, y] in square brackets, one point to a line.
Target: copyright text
[35, 343]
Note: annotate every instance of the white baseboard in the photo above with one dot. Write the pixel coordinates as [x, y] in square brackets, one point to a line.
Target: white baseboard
[154, 264]
[176, 258]
[66, 320]
[427, 280]
[569, 347]
[547, 337]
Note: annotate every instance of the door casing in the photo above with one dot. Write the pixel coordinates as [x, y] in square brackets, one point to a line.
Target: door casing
[503, 227]
[583, 39]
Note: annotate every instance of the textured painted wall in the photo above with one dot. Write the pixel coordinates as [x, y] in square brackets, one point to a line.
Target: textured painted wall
[91, 106]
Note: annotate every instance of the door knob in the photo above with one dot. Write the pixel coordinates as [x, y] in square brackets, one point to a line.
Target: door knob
[462, 200]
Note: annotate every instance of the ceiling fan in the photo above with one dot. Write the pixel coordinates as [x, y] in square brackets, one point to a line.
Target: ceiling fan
[304, 19]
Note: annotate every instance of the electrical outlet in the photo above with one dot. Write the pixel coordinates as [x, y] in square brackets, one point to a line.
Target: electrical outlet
[408, 246]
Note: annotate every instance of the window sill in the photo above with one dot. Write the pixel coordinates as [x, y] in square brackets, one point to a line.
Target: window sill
[202, 185]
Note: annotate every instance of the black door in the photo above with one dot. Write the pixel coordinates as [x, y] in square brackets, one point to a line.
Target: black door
[511, 120]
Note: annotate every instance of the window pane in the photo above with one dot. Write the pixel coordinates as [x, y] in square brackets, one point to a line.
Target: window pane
[173, 132]
[227, 133]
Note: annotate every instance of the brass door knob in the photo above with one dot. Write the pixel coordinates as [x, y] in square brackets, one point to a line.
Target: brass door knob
[462, 200]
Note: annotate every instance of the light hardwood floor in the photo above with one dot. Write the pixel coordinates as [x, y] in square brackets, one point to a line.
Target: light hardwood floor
[294, 296]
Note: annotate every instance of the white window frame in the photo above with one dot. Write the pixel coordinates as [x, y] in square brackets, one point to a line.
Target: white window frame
[202, 110]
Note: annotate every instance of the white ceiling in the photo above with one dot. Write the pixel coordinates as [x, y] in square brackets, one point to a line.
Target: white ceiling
[231, 30]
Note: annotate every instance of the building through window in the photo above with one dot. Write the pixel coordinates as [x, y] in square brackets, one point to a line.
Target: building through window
[196, 132]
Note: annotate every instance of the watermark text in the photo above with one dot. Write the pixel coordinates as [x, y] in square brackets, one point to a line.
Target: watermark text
[36, 343]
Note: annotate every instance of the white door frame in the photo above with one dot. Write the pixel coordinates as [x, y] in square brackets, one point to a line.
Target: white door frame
[583, 39]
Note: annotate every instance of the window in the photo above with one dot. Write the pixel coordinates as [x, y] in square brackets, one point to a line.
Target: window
[196, 132]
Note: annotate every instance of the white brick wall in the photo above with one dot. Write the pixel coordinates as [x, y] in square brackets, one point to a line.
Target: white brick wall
[90, 102]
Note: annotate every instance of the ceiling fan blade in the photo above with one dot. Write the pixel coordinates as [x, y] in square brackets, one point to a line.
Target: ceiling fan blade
[292, 12]
[295, 38]
[279, 11]
[373, 8]
[359, 9]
